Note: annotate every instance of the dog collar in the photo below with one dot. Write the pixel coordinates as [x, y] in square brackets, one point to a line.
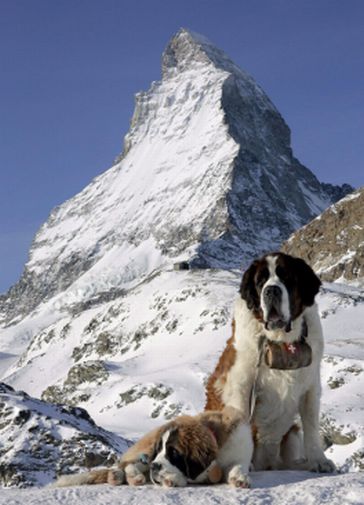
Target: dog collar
[286, 355]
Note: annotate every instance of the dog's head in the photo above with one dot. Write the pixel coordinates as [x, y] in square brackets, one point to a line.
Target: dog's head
[185, 450]
[277, 288]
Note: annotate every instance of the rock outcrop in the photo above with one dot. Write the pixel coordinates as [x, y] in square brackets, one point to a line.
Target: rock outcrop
[333, 243]
[38, 440]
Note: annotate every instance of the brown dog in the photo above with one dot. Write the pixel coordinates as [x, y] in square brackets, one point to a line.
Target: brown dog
[207, 448]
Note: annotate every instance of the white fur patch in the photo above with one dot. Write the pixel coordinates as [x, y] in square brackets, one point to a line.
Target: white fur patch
[237, 450]
[274, 280]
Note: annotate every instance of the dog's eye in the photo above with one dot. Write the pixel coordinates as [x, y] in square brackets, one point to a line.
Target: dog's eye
[173, 454]
[262, 277]
[280, 272]
[283, 274]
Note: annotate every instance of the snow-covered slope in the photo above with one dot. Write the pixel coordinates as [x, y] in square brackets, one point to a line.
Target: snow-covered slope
[143, 358]
[207, 173]
[39, 440]
[273, 488]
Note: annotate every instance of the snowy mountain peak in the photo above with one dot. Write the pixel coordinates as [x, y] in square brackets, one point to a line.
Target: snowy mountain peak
[188, 48]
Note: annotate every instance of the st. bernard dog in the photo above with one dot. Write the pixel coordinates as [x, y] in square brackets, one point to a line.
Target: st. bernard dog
[276, 306]
[208, 448]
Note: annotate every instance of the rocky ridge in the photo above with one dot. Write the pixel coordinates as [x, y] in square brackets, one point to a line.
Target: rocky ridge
[333, 243]
[39, 441]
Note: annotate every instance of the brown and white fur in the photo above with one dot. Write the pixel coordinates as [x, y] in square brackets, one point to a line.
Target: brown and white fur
[276, 294]
[207, 448]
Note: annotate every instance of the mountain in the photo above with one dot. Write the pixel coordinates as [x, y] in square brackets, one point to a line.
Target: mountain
[333, 243]
[102, 319]
[207, 174]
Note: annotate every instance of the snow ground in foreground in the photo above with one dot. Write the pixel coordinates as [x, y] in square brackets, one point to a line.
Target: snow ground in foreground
[273, 488]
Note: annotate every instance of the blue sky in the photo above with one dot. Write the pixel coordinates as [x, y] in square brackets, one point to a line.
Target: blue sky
[69, 70]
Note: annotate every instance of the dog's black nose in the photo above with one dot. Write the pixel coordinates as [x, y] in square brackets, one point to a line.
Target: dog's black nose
[155, 467]
[272, 292]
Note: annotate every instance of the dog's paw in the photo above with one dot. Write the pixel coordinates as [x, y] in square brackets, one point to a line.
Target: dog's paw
[168, 482]
[115, 477]
[321, 465]
[238, 478]
[134, 477]
[173, 480]
[136, 480]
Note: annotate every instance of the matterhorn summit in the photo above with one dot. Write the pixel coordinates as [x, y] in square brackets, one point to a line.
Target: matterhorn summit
[100, 318]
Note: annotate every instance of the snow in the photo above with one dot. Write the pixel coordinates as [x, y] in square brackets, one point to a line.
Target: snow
[315, 201]
[273, 488]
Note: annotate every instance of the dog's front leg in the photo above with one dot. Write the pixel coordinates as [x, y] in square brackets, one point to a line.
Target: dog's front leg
[235, 456]
[266, 456]
[239, 387]
[309, 411]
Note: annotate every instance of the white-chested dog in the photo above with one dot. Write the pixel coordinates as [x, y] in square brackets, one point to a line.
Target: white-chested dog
[208, 448]
[277, 306]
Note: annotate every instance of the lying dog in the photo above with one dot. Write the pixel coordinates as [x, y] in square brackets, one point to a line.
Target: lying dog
[274, 357]
[208, 448]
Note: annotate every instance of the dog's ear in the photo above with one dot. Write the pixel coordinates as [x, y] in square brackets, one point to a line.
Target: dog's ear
[196, 467]
[173, 434]
[156, 448]
[308, 282]
[200, 460]
[247, 287]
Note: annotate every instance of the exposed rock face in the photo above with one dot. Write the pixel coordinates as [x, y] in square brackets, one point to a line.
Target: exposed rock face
[39, 441]
[333, 243]
[337, 192]
[207, 172]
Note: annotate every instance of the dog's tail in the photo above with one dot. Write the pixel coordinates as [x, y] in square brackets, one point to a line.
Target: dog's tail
[113, 476]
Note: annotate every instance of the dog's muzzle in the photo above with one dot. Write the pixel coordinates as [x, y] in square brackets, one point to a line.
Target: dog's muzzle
[155, 468]
[275, 319]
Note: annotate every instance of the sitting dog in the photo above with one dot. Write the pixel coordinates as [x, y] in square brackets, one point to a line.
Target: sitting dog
[270, 368]
[208, 448]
